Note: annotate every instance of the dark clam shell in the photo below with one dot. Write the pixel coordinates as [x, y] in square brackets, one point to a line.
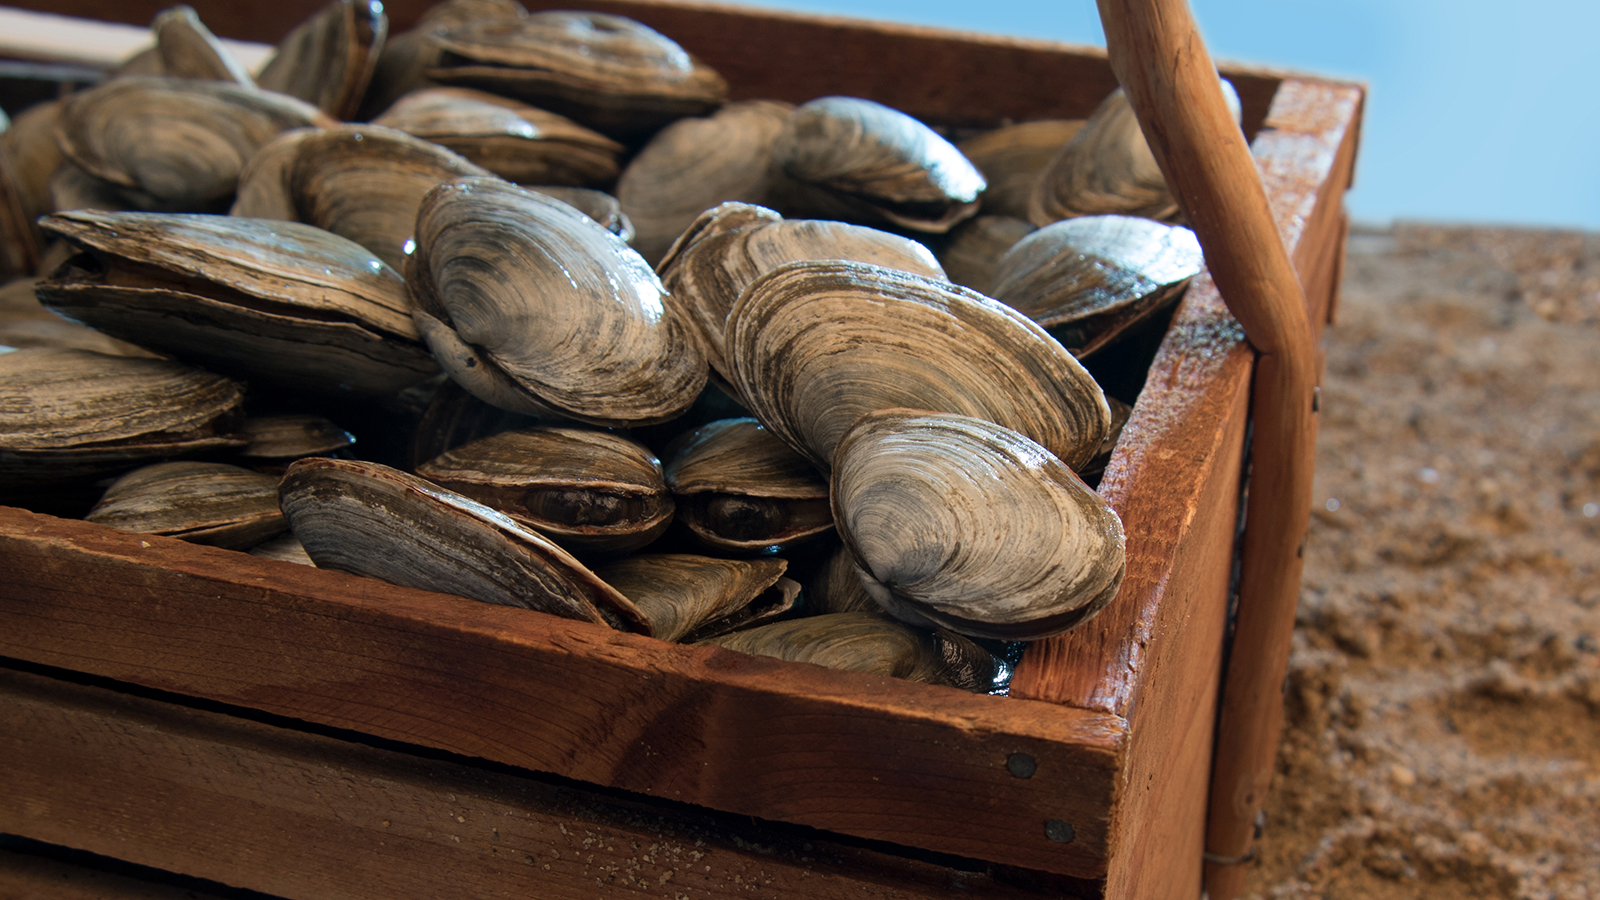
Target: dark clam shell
[742, 489]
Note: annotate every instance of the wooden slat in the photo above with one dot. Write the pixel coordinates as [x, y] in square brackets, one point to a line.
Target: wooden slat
[32, 876]
[26, 34]
[873, 757]
[307, 816]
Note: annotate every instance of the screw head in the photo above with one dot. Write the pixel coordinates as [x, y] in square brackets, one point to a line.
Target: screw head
[1058, 831]
[1021, 765]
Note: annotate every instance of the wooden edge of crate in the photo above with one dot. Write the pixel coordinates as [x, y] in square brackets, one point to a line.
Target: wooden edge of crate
[253, 805]
[873, 757]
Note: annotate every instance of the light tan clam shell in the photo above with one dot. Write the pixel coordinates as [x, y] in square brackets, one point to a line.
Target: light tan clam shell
[973, 526]
[264, 189]
[278, 301]
[198, 502]
[188, 49]
[536, 308]
[608, 72]
[292, 436]
[1011, 159]
[365, 182]
[406, 57]
[975, 248]
[871, 163]
[815, 346]
[685, 596]
[588, 490]
[516, 141]
[328, 59]
[284, 548]
[597, 205]
[694, 164]
[183, 142]
[742, 489]
[376, 521]
[731, 245]
[869, 642]
[1090, 278]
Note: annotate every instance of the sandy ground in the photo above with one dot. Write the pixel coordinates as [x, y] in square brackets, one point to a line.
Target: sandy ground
[1443, 734]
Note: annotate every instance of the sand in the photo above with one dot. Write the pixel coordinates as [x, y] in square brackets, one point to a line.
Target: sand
[1443, 709]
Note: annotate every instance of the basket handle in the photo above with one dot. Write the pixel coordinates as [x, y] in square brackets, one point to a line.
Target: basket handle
[1158, 56]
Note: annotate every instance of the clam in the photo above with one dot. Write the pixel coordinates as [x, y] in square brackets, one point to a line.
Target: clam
[972, 526]
[365, 182]
[1107, 169]
[587, 490]
[376, 521]
[182, 142]
[292, 436]
[188, 49]
[814, 346]
[265, 191]
[687, 598]
[695, 164]
[868, 642]
[28, 157]
[537, 309]
[284, 548]
[743, 490]
[608, 72]
[328, 59]
[730, 246]
[1011, 159]
[276, 301]
[597, 205]
[1095, 468]
[406, 57]
[862, 161]
[1090, 278]
[516, 141]
[25, 323]
[198, 502]
[975, 248]
[454, 416]
[67, 414]
[835, 587]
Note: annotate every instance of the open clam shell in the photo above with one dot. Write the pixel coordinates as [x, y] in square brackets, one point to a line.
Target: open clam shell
[188, 49]
[588, 490]
[694, 164]
[376, 521]
[814, 346]
[960, 522]
[183, 142]
[516, 141]
[279, 301]
[743, 490]
[876, 164]
[1090, 278]
[536, 308]
[686, 597]
[328, 59]
[198, 502]
[869, 642]
[608, 72]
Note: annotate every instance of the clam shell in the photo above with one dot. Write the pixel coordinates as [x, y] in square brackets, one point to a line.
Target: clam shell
[188, 49]
[406, 57]
[730, 247]
[975, 248]
[199, 502]
[292, 436]
[1090, 278]
[973, 526]
[683, 595]
[1011, 159]
[588, 490]
[284, 548]
[608, 72]
[742, 489]
[597, 205]
[28, 158]
[868, 642]
[264, 188]
[328, 59]
[876, 164]
[183, 142]
[279, 301]
[814, 346]
[835, 587]
[376, 521]
[694, 164]
[535, 308]
[26, 323]
[516, 141]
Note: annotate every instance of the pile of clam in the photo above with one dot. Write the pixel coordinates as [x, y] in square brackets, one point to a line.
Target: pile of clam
[806, 381]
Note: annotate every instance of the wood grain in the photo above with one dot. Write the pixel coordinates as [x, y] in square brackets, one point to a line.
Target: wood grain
[874, 757]
[308, 816]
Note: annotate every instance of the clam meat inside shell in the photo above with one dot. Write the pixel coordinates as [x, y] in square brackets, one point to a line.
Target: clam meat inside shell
[742, 489]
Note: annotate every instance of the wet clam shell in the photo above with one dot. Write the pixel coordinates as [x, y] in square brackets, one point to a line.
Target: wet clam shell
[683, 594]
[973, 526]
[597, 205]
[199, 502]
[815, 346]
[516, 141]
[743, 490]
[188, 49]
[870, 643]
[976, 246]
[328, 59]
[536, 308]
[292, 436]
[376, 521]
[588, 490]
[1090, 278]
[1011, 159]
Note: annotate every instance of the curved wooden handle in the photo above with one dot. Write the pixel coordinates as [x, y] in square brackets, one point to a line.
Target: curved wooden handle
[1158, 56]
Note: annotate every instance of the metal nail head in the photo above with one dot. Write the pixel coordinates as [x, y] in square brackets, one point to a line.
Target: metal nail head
[1058, 831]
[1021, 765]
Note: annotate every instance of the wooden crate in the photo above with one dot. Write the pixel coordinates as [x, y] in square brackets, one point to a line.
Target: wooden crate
[312, 734]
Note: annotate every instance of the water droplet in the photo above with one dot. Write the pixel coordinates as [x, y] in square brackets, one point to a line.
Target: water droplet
[357, 137]
[1590, 510]
[1428, 475]
[409, 247]
[1332, 504]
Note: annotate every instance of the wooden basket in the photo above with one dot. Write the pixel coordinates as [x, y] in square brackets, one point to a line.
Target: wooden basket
[312, 734]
